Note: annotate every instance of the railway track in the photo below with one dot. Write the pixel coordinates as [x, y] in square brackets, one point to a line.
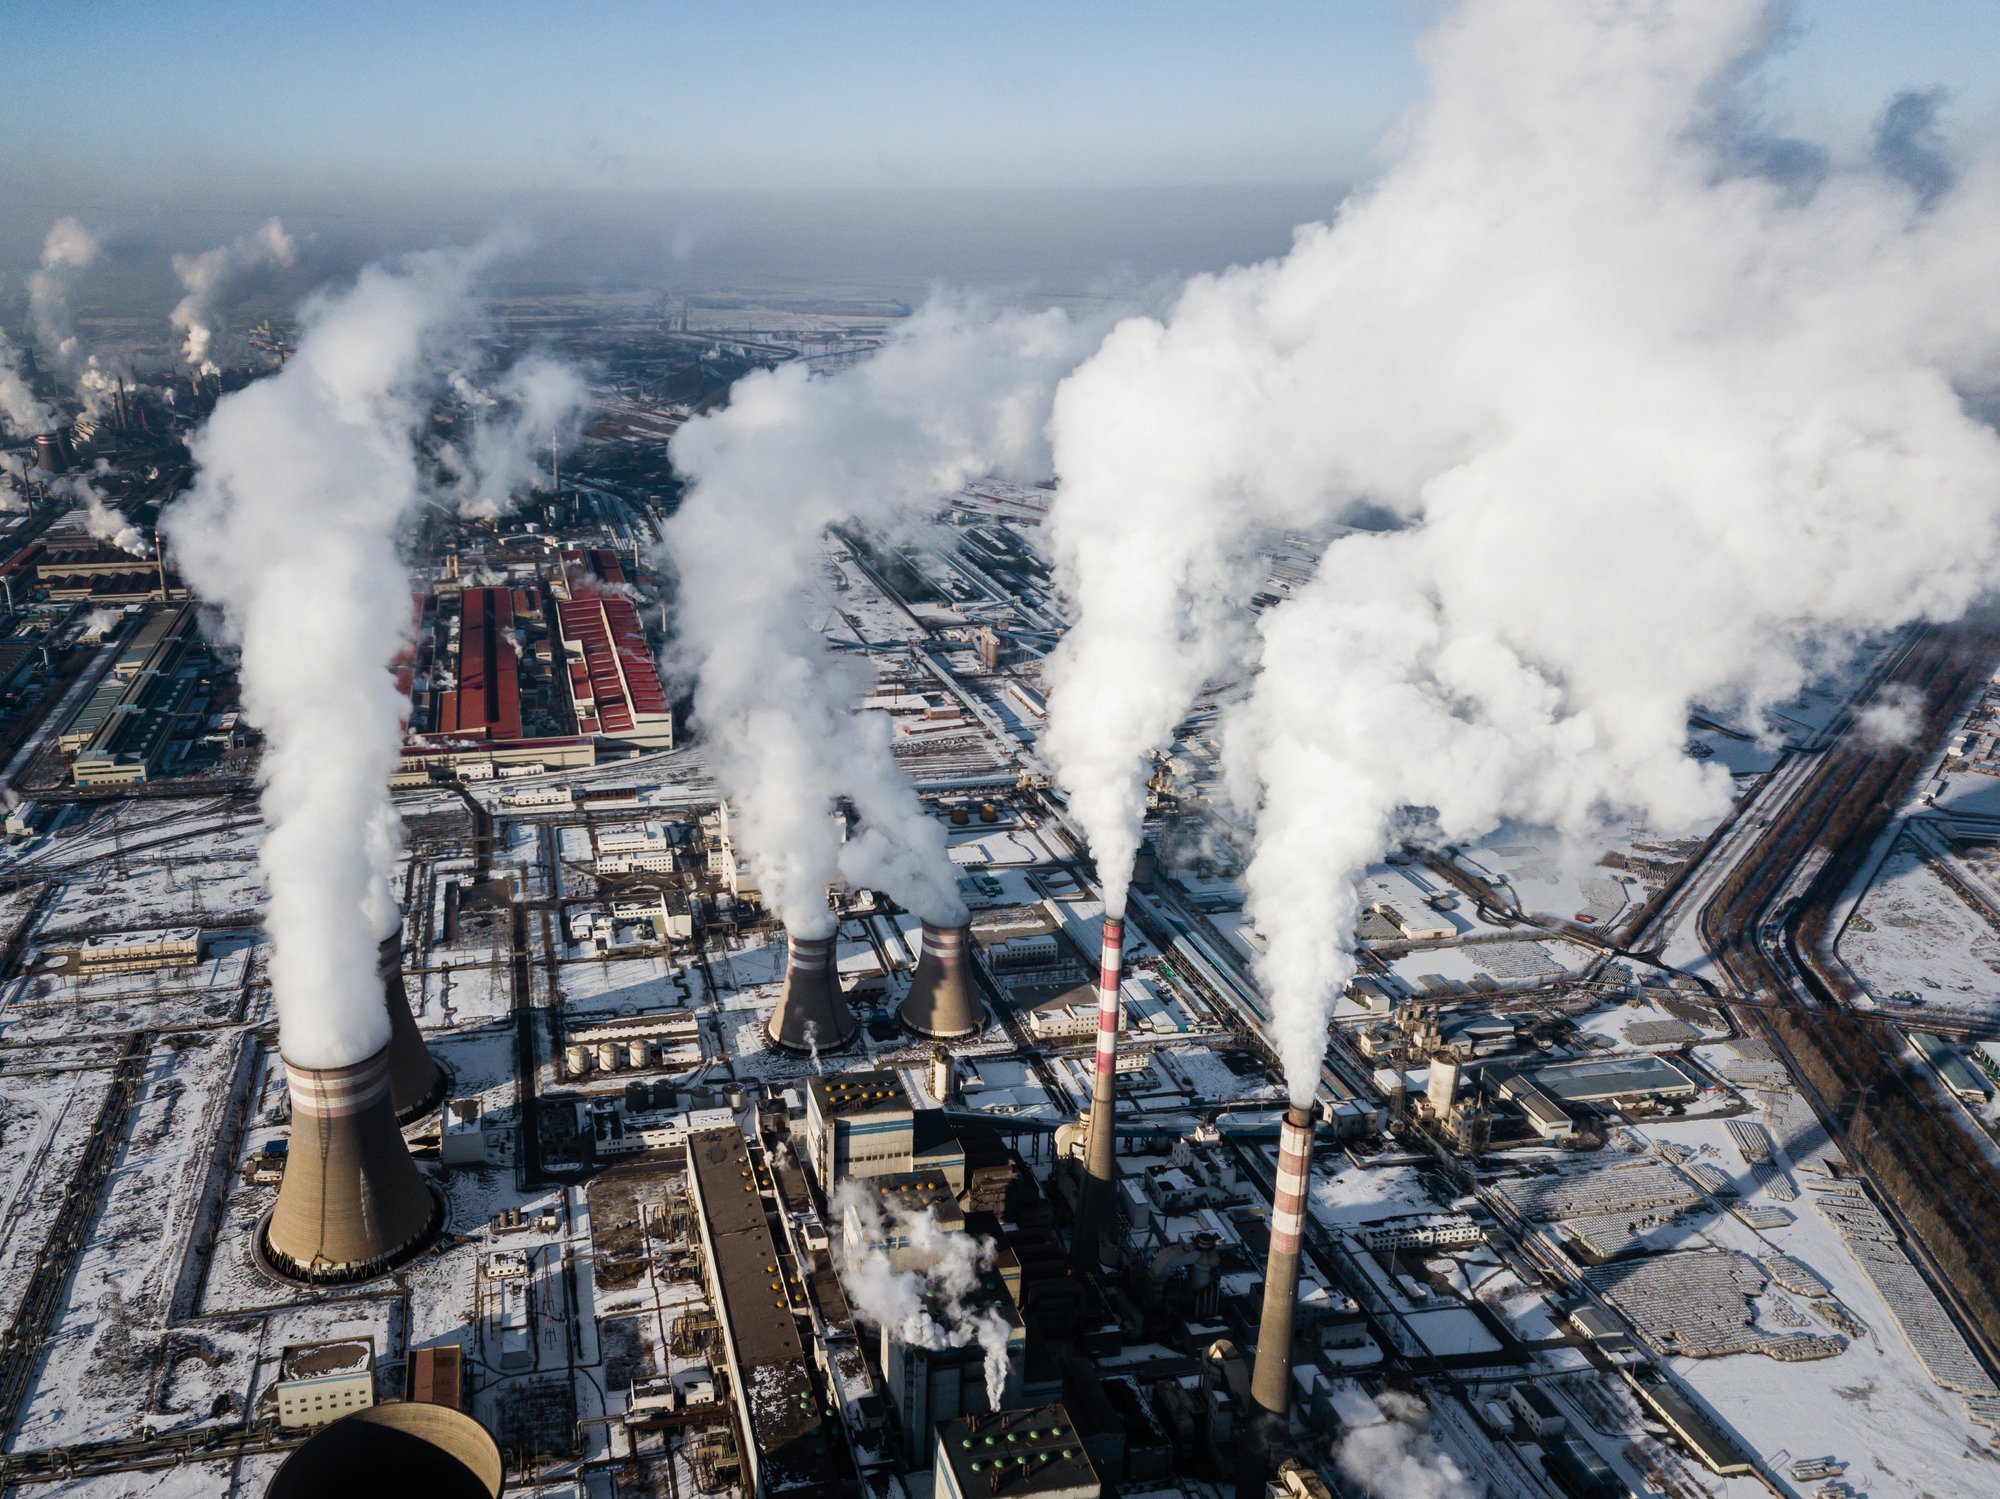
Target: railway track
[1766, 927]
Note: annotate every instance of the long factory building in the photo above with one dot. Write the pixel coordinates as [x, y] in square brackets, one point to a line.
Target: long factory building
[613, 684]
[122, 731]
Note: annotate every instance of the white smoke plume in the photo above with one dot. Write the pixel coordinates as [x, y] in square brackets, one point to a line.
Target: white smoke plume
[1399, 1458]
[67, 253]
[924, 1300]
[22, 412]
[209, 277]
[536, 403]
[101, 622]
[304, 482]
[1656, 429]
[101, 518]
[956, 394]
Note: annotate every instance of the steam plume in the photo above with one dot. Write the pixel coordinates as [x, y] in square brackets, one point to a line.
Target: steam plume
[102, 519]
[924, 1302]
[67, 253]
[209, 277]
[957, 394]
[305, 480]
[536, 402]
[1656, 430]
[1400, 1459]
[22, 412]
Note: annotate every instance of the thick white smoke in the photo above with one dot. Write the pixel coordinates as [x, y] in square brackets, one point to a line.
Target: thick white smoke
[67, 253]
[1399, 1458]
[305, 481]
[925, 1302]
[955, 395]
[22, 412]
[209, 277]
[535, 404]
[1657, 428]
[101, 518]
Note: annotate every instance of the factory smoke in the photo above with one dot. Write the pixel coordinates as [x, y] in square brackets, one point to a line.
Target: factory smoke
[1641, 425]
[67, 253]
[22, 412]
[1398, 1458]
[209, 278]
[535, 404]
[924, 1303]
[101, 518]
[955, 395]
[304, 483]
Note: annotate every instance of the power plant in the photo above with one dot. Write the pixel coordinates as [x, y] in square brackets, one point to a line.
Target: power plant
[351, 1204]
[1100, 1168]
[416, 1082]
[941, 1003]
[811, 1017]
[1271, 1381]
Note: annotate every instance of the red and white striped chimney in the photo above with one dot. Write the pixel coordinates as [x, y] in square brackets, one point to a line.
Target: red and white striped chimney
[1100, 1172]
[1271, 1381]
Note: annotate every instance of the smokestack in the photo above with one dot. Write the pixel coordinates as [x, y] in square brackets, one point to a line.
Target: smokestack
[941, 1003]
[811, 1016]
[1100, 1167]
[416, 1082]
[1271, 1382]
[351, 1204]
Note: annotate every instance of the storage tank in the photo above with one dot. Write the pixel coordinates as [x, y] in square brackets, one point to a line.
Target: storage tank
[637, 1053]
[607, 1056]
[576, 1060]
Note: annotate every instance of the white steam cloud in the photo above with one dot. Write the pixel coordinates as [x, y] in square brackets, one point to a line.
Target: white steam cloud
[22, 412]
[209, 277]
[1656, 429]
[956, 394]
[924, 1301]
[1399, 1458]
[67, 252]
[536, 403]
[305, 481]
[101, 518]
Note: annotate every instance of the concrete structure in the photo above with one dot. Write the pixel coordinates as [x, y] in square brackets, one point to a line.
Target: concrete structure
[133, 952]
[436, 1376]
[1019, 1454]
[416, 1082]
[321, 1382]
[811, 1016]
[613, 684]
[411, 1448]
[351, 1204]
[1096, 1197]
[1271, 1379]
[942, 1003]
[462, 1137]
[790, 1446]
[927, 1385]
[858, 1124]
[1442, 1086]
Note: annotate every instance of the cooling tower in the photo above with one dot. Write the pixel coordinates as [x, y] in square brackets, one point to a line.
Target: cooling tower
[416, 1082]
[1100, 1168]
[351, 1204]
[811, 1016]
[941, 1003]
[413, 1446]
[1271, 1382]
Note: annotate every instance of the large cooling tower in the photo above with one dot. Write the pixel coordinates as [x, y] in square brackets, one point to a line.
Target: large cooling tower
[811, 1016]
[942, 1003]
[1271, 1381]
[351, 1204]
[413, 1446]
[416, 1082]
[1095, 1199]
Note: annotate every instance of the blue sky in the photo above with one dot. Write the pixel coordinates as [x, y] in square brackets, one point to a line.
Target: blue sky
[118, 97]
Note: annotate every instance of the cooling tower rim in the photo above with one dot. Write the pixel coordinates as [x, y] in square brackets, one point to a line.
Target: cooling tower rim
[268, 1265]
[451, 1431]
[443, 1079]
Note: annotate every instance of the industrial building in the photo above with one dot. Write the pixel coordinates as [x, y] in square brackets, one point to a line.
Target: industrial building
[614, 686]
[790, 1446]
[486, 702]
[321, 1382]
[1034, 1453]
[123, 730]
[131, 952]
[436, 1376]
[858, 1124]
[1614, 1080]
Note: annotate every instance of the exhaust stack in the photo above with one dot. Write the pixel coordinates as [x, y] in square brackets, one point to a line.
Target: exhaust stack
[941, 1003]
[1271, 1381]
[351, 1204]
[1095, 1198]
[811, 1016]
[416, 1082]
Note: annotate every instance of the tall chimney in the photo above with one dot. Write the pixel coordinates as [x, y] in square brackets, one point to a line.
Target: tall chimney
[811, 1016]
[1096, 1199]
[416, 1082]
[941, 1003]
[1271, 1381]
[351, 1204]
